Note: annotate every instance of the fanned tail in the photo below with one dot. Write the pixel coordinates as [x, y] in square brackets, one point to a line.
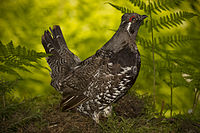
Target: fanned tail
[62, 59]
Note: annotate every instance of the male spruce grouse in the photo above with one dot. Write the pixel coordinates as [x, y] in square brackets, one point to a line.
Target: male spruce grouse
[92, 85]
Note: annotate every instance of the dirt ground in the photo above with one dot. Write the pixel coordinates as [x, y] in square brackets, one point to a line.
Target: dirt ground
[129, 106]
[132, 113]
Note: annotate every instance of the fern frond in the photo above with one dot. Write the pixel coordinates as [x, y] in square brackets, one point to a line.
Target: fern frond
[163, 5]
[6, 69]
[6, 86]
[20, 52]
[142, 5]
[172, 20]
[3, 50]
[156, 6]
[17, 57]
[120, 8]
[174, 40]
[145, 43]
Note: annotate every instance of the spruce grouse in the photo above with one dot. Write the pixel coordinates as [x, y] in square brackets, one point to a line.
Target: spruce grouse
[92, 85]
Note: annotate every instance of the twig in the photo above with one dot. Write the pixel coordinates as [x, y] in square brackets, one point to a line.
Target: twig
[162, 108]
[154, 68]
[4, 104]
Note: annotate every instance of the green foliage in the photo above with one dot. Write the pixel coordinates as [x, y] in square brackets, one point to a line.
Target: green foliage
[6, 86]
[169, 21]
[13, 59]
[173, 41]
[167, 66]
[180, 123]
[17, 57]
[156, 6]
[175, 44]
[82, 23]
[172, 20]
[26, 114]
[149, 122]
[122, 9]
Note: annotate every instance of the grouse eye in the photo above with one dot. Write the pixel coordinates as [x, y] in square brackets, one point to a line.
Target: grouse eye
[132, 18]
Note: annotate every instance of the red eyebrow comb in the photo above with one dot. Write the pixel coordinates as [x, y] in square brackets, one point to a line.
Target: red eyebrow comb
[131, 18]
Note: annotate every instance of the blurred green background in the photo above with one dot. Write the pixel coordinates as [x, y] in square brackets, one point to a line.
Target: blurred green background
[87, 25]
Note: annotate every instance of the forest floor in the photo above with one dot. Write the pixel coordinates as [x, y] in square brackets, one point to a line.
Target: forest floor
[133, 113]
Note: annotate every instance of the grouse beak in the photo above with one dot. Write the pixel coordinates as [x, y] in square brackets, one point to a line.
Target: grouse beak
[144, 16]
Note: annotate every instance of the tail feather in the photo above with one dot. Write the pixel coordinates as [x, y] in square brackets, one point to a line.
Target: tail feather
[72, 101]
[48, 43]
[58, 36]
[62, 59]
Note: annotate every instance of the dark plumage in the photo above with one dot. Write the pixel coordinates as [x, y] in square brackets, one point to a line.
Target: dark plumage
[92, 85]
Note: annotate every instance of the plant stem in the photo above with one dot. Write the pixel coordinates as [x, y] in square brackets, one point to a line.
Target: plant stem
[153, 54]
[4, 104]
[171, 87]
[196, 98]
[162, 108]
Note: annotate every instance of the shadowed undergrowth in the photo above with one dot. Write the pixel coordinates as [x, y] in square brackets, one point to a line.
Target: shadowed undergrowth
[132, 113]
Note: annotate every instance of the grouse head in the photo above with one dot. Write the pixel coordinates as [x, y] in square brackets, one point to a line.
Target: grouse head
[131, 22]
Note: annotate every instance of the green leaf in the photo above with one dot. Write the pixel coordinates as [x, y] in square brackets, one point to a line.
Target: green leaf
[163, 5]
[142, 5]
[172, 20]
[18, 58]
[122, 9]
[175, 40]
[7, 69]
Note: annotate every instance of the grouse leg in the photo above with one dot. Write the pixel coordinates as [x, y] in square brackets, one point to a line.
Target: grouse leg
[107, 111]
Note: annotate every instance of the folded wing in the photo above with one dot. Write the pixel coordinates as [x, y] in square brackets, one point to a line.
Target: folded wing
[98, 82]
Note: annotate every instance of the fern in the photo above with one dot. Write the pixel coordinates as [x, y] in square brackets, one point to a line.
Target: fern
[172, 20]
[122, 9]
[13, 59]
[145, 43]
[6, 86]
[168, 21]
[159, 5]
[142, 5]
[157, 44]
[163, 5]
[173, 41]
[9, 70]
[17, 57]
[156, 6]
